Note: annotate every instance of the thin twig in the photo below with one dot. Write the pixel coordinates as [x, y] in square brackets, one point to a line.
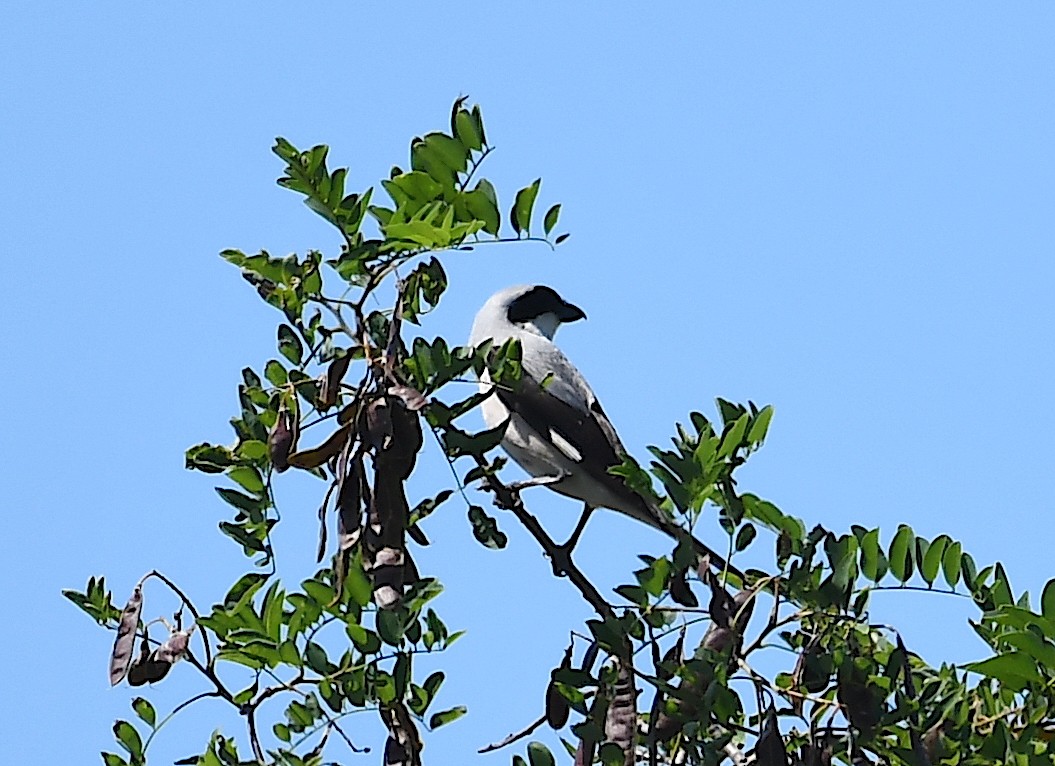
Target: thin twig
[190, 608]
[514, 736]
[510, 500]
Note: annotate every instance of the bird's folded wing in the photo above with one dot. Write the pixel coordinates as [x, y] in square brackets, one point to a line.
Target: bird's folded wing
[582, 433]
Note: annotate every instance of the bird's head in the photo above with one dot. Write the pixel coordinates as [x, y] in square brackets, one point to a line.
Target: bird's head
[535, 308]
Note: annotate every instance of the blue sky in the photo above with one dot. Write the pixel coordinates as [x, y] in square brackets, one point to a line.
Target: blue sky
[842, 210]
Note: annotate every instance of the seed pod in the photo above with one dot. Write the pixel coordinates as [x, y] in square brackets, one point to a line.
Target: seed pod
[121, 655]
[331, 382]
[350, 505]
[620, 723]
[280, 441]
[413, 399]
[377, 429]
[313, 458]
[174, 648]
[137, 672]
[770, 749]
[680, 591]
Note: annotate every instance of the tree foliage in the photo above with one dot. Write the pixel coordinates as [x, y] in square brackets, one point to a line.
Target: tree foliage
[654, 677]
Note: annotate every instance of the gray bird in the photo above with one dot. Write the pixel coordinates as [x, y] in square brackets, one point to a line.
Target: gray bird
[558, 432]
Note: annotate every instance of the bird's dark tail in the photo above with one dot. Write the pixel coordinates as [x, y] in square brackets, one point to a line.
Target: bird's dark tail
[657, 519]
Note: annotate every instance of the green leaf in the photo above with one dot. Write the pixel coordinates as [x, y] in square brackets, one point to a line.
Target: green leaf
[129, 739]
[931, 560]
[520, 215]
[900, 555]
[357, 584]
[209, 458]
[1014, 669]
[654, 577]
[446, 716]
[950, 563]
[248, 476]
[873, 560]
[365, 640]
[289, 344]
[551, 219]
[1047, 600]
[391, 626]
[734, 436]
[635, 594]
[968, 570]
[465, 130]
[276, 373]
[482, 204]
[744, 536]
[243, 591]
[756, 434]
[1001, 589]
[316, 659]
[611, 754]
[485, 529]
[113, 759]
[240, 501]
[539, 755]
[145, 711]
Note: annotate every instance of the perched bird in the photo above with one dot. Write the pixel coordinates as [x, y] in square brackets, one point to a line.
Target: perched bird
[558, 432]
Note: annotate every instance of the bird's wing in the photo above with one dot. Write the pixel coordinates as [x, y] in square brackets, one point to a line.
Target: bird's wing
[555, 400]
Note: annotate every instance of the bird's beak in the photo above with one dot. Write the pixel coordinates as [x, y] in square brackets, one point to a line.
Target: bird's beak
[569, 312]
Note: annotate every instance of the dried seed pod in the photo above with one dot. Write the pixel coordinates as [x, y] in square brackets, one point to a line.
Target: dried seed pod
[620, 722]
[404, 743]
[350, 504]
[331, 382]
[770, 749]
[138, 671]
[313, 458]
[121, 655]
[377, 430]
[932, 744]
[348, 414]
[680, 591]
[387, 573]
[174, 648]
[863, 704]
[280, 441]
[412, 399]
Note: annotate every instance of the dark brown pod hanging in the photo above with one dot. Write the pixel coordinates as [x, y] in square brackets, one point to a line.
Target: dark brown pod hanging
[280, 441]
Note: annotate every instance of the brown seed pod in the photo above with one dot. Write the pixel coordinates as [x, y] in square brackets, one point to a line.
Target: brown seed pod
[350, 505]
[331, 382]
[620, 722]
[412, 399]
[174, 648]
[121, 655]
[680, 591]
[280, 441]
[376, 430]
[770, 749]
[313, 458]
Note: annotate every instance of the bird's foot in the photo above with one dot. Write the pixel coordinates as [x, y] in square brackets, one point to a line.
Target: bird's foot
[538, 481]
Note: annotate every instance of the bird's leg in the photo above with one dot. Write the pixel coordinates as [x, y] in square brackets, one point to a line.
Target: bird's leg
[562, 554]
[538, 481]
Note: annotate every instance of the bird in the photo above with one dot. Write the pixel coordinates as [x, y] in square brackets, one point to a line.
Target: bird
[557, 430]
